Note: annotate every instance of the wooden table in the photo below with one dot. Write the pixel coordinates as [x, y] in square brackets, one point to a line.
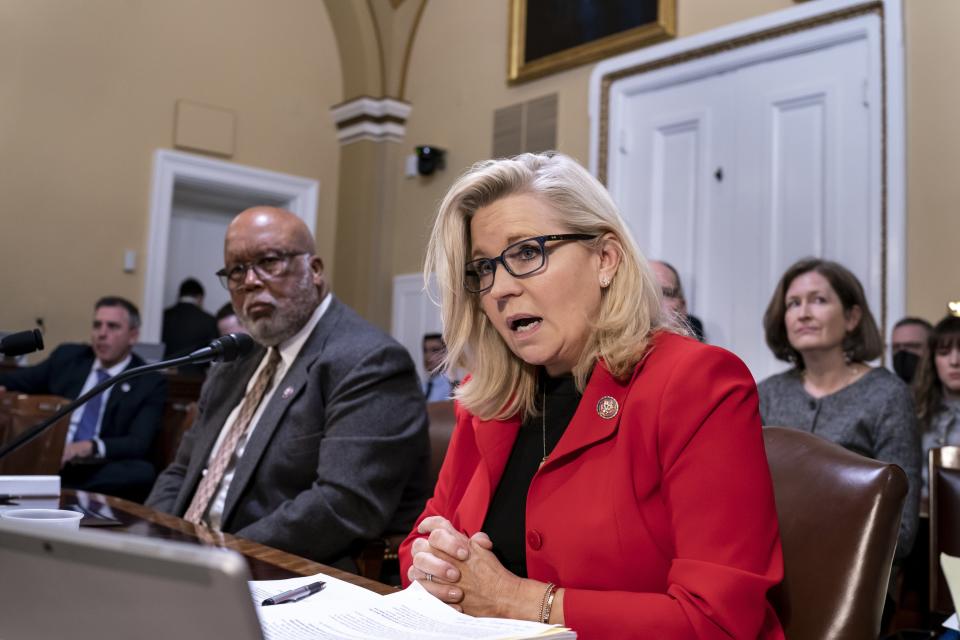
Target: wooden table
[266, 563]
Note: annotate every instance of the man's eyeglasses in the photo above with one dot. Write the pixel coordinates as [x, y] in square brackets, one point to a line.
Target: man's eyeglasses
[519, 259]
[272, 265]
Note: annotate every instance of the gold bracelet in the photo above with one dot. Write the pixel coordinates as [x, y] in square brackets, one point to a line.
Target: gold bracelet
[547, 603]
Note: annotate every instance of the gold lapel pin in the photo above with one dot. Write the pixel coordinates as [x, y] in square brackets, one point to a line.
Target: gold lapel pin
[607, 407]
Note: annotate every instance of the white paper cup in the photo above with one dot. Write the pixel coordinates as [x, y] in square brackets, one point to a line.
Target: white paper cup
[43, 517]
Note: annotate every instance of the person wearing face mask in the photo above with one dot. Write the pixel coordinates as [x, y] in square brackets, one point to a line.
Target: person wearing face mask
[908, 344]
[587, 482]
[937, 391]
[819, 321]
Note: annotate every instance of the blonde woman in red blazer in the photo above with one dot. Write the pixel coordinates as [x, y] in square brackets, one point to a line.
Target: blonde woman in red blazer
[650, 512]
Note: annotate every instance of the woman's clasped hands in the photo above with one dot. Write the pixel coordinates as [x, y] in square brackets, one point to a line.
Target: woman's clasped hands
[465, 573]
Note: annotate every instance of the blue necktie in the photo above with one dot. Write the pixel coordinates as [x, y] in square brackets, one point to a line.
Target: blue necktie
[87, 428]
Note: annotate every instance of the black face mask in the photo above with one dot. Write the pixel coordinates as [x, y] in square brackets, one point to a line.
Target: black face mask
[905, 365]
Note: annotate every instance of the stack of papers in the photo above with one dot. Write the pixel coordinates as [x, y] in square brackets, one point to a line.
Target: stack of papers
[344, 610]
[30, 486]
[34, 492]
[951, 571]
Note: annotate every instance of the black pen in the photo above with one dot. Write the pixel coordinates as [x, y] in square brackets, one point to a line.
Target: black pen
[294, 595]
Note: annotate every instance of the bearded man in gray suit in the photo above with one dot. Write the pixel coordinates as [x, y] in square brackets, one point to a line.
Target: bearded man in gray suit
[319, 440]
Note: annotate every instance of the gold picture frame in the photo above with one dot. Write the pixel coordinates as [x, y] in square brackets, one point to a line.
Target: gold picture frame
[660, 24]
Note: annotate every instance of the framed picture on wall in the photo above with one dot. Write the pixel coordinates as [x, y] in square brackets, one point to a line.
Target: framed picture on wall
[551, 35]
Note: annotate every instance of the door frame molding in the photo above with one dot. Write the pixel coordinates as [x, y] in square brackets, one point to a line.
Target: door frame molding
[171, 168]
[723, 48]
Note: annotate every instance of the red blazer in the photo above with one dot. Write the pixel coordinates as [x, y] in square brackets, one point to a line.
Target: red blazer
[660, 521]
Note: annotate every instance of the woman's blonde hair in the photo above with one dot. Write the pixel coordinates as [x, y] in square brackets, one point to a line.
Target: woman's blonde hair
[501, 383]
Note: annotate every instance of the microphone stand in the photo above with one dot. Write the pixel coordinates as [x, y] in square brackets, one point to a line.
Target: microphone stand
[35, 431]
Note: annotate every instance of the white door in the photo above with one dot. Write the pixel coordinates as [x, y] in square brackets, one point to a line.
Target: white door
[195, 251]
[733, 176]
[414, 314]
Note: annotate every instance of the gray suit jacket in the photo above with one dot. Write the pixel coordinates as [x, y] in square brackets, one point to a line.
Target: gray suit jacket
[340, 454]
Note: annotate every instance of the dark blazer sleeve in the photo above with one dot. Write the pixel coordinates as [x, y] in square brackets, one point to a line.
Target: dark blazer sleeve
[365, 455]
[28, 379]
[54, 375]
[131, 423]
[898, 441]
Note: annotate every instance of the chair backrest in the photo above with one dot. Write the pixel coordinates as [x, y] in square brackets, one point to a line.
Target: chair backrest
[371, 557]
[839, 516]
[442, 420]
[18, 413]
[179, 412]
[944, 475]
[177, 418]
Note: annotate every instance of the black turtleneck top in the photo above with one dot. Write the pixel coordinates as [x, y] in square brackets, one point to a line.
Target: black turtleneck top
[506, 517]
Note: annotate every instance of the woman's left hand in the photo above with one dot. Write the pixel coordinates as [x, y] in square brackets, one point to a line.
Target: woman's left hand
[489, 589]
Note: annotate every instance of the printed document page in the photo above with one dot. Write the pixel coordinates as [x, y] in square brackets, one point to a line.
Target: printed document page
[951, 571]
[341, 612]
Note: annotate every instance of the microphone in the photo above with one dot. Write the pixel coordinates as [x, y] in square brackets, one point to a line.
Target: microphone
[21, 343]
[224, 349]
[232, 346]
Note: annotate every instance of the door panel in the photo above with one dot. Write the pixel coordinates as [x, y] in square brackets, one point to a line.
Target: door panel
[733, 176]
[671, 182]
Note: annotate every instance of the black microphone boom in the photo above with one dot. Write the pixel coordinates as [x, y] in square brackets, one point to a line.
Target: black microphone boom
[224, 349]
[21, 343]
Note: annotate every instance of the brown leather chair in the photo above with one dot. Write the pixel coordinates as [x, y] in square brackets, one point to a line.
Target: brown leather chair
[370, 559]
[839, 516]
[177, 418]
[18, 413]
[944, 475]
[442, 421]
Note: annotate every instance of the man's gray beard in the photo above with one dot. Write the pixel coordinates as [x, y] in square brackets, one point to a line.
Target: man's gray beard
[282, 326]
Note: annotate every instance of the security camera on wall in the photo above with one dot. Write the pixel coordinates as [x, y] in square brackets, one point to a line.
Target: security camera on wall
[429, 159]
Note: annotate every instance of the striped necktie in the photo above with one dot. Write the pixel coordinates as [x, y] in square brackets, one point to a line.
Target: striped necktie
[211, 481]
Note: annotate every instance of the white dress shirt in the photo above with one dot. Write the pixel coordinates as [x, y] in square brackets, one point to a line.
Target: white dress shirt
[289, 350]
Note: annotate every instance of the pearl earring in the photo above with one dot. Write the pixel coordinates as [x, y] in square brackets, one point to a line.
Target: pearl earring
[604, 282]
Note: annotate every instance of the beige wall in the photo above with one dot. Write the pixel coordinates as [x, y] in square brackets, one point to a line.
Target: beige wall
[458, 78]
[933, 157]
[87, 93]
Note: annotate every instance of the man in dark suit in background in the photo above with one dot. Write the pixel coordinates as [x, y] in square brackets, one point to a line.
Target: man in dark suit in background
[227, 321]
[186, 326]
[319, 440]
[673, 302]
[110, 438]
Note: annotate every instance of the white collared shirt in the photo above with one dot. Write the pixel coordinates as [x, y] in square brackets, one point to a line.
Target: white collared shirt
[289, 350]
[90, 384]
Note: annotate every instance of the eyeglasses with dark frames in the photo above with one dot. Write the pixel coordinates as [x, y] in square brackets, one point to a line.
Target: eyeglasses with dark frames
[519, 259]
[671, 292]
[267, 267]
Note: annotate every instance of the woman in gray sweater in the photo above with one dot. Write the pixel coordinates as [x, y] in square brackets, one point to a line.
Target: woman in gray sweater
[819, 321]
